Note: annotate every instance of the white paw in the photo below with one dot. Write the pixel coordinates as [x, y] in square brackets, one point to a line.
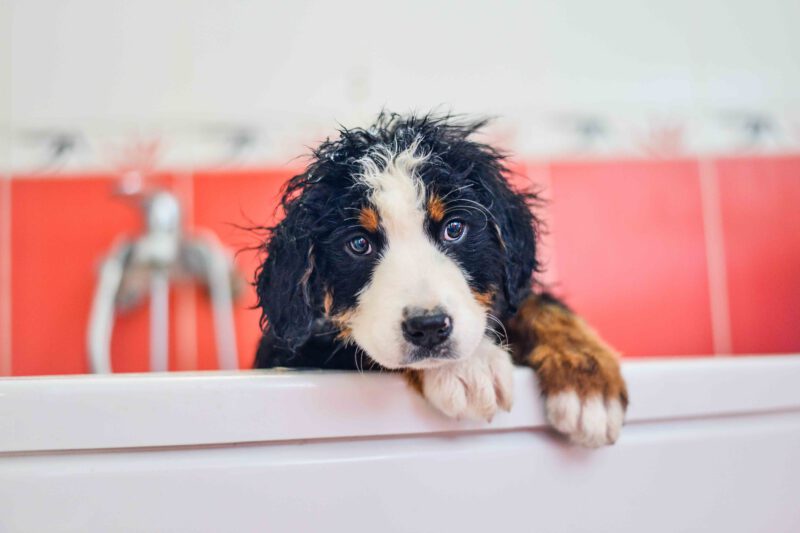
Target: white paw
[590, 421]
[474, 388]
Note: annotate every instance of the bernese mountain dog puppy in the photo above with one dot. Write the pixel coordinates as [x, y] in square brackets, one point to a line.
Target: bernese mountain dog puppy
[403, 247]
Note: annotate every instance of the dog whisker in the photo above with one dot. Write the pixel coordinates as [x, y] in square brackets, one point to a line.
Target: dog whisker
[333, 353]
[359, 354]
[324, 333]
[497, 321]
[494, 334]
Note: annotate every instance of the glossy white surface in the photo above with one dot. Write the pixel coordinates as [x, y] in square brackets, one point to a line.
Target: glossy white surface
[710, 445]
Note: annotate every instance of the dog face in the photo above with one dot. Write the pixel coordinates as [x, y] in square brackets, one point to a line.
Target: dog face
[404, 239]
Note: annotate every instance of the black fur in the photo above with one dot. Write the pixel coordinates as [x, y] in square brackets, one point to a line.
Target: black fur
[306, 253]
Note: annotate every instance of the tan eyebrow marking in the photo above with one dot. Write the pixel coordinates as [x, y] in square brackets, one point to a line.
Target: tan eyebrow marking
[368, 218]
[436, 208]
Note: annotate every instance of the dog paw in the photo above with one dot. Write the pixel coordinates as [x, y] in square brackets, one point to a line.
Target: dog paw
[474, 388]
[579, 374]
[585, 394]
[590, 420]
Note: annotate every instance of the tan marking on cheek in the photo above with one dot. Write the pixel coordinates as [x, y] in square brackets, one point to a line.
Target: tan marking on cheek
[486, 299]
[346, 335]
[368, 218]
[436, 208]
[342, 321]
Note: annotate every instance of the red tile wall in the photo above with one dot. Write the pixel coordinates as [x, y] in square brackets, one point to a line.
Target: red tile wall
[60, 229]
[5, 276]
[760, 201]
[629, 242]
[626, 248]
[59, 226]
[228, 203]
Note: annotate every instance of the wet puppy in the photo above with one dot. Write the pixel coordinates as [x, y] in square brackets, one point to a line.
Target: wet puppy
[403, 247]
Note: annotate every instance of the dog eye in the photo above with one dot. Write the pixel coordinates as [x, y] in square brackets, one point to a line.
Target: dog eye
[454, 231]
[359, 245]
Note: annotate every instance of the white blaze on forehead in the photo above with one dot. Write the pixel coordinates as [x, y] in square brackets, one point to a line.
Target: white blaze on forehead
[396, 190]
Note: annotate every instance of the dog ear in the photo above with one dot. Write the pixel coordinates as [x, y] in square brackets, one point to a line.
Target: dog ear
[515, 226]
[288, 286]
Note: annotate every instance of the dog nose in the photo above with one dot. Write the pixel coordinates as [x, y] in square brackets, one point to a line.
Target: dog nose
[427, 330]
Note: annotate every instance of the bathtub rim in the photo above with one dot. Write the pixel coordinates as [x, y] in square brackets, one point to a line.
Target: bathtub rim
[92, 412]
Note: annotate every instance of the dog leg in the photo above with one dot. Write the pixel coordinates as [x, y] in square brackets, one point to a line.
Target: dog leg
[579, 374]
[474, 388]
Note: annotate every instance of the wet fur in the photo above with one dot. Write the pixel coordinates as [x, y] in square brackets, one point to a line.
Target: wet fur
[303, 263]
[308, 286]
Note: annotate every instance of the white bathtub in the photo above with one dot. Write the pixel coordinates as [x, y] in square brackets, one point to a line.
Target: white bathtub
[709, 445]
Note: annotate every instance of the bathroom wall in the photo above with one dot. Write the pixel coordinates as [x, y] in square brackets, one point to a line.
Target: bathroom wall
[664, 257]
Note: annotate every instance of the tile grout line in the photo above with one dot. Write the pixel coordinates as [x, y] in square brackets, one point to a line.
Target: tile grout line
[716, 268]
[5, 275]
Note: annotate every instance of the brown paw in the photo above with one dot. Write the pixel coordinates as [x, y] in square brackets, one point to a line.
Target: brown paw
[585, 394]
[579, 374]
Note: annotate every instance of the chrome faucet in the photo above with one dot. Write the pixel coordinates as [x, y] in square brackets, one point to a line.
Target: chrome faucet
[149, 262]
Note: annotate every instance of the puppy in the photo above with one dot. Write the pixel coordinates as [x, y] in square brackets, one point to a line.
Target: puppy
[403, 247]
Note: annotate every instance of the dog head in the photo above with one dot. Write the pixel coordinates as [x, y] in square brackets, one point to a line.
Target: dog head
[404, 238]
